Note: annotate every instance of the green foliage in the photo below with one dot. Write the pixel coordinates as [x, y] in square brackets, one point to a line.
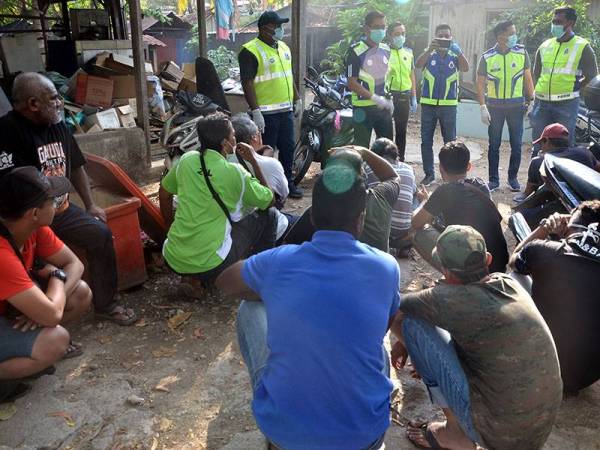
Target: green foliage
[223, 60]
[157, 14]
[533, 22]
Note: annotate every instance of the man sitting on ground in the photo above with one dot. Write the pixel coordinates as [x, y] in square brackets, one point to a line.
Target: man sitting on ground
[211, 228]
[459, 201]
[33, 302]
[564, 273]
[482, 349]
[313, 340]
[555, 141]
[402, 210]
[34, 134]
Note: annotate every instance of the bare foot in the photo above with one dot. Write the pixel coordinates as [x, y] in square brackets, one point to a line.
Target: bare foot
[448, 438]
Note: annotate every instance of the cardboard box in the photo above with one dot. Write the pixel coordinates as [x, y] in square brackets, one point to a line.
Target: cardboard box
[188, 86]
[169, 85]
[126, 116]
[123, 64]
[124, 86]
[93, 91]
[189, 71]
[106, 120]
[171, 71]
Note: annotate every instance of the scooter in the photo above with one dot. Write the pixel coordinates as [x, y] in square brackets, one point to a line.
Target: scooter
[326, 123]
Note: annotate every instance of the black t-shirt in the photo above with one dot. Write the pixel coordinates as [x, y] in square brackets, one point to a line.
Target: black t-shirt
[565, 292]
[580, 154]
[463, 203]
[52, 149]
[248, 63]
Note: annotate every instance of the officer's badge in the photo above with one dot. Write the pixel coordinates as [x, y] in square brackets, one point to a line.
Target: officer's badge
[272, 60]
[566, 50]
[451, 65]
[287, 56]
[433, 63]
[514, 65]
[369, 62]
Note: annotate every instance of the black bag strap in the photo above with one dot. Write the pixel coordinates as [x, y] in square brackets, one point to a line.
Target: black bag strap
[212, 189]
[5, 233]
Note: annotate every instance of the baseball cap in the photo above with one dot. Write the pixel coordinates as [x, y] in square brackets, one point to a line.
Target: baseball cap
[25, 187]
[271, 17]
[461, 249]
[553, 131]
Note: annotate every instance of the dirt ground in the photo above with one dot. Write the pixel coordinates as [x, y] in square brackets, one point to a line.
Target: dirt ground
[176, 379]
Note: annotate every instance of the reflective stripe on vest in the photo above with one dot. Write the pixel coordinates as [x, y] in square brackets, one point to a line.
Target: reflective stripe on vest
[364, 77]
[439, 84]
[273, 83]
[400, 67]
[505, 75]
[560, 76]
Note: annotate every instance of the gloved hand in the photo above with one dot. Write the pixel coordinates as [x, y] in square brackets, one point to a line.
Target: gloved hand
[529, 110]
[455, 48]
[412, 109]
[383, 103]
[298, 107]
[258, 119]
[486, 119]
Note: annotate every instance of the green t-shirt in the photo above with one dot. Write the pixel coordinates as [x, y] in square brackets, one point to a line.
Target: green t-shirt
[200, 237]
[381, 199]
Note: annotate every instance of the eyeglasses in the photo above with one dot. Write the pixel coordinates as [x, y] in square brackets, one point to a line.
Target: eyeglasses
[57, 202]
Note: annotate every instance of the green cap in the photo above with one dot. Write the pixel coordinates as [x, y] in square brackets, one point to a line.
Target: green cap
[461, 249]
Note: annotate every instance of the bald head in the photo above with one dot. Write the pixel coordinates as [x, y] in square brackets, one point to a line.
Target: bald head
[35, 97]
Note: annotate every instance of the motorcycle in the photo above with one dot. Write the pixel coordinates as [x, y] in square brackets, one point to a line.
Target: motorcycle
[326, 122]
[567, 183]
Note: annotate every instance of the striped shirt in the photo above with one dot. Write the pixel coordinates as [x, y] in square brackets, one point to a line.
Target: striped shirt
[402, 211]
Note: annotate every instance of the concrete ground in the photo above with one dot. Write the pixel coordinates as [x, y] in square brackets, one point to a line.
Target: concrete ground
[160, 385]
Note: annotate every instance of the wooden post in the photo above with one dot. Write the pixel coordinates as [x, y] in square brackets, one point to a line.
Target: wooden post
[66, 19]
[141, 89]
[202, 44]
[299, 44]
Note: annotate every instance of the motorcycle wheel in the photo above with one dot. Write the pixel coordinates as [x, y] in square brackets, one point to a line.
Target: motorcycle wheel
[303, 158]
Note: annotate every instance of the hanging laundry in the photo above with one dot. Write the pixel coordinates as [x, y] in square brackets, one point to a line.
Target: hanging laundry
[224, 10]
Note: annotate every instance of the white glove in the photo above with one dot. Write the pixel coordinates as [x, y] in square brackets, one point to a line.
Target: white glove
[383, 103]
[529, 110]
[258, 119]
[486, 119]
[298, 107]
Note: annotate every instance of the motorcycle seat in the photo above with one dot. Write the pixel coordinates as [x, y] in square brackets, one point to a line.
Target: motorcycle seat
[583, 180]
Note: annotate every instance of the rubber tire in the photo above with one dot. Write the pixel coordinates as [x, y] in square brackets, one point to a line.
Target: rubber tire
[305, 164]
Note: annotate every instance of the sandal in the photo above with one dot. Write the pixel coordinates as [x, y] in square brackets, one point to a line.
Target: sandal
[11, 390]
[119, 315]
[427, 435]
[74, 349]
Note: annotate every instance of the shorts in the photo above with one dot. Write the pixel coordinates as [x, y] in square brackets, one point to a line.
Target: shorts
[15, 343]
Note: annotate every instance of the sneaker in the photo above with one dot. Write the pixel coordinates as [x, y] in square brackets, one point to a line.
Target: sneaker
[428, 180]
[493, 186]
[519, 197]
[295, 191]
[514, 185]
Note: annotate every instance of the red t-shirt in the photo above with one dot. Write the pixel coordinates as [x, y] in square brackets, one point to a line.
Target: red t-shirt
[42, 243]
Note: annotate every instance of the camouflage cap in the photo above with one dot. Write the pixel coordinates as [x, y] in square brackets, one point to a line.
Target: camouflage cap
[461, 249]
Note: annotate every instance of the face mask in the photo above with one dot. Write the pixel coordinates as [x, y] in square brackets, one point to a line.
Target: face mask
[377, 35]
[557, 30]
[512, 40]
[278, 35]
[399, 41]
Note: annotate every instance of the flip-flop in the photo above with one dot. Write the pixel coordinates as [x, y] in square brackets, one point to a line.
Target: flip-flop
[11, 390]
[128, 315]
[73, 350]
[47, 371]
[428, 435]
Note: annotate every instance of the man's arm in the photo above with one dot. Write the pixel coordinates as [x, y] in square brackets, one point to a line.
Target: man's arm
[382, 169]
[528, 86]
[420, 218]
[463, 63]
[248, 67]
[588, 65]
[413, 79]
[165, 200]
[537, 67]
[424, 57]
[80, 181]
[481, 89]
[44, 309]
[250, 93]
[231, 283]
[357, 88]
[67, 261]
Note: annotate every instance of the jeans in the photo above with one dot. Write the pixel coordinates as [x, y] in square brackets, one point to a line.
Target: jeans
[369, 118]
[434, 357]
[514, 120]
[77, 228]
[401, 113]
[430, 115]
[251, 326]
[544, 113]
[279, 133]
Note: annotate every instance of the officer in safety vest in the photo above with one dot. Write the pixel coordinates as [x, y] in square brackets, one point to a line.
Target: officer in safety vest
[505, 70]
[266, 74]
[441, 62]
[401, 83]
[563, 66]
[367, 66]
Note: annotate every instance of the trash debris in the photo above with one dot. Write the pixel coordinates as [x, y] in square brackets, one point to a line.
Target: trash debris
[7, 410]
[179, 319]
[163, 384]
[66, 416]
[134, 400]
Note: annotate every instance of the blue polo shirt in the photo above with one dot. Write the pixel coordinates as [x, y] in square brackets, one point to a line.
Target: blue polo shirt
[328, 303]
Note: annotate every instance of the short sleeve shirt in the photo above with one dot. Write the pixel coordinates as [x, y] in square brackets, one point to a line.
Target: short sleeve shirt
[579, 154]
[507, 353]
[328, 304]
[381, 199]
[42, 243]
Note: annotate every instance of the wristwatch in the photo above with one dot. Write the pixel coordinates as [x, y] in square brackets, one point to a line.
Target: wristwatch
[60, 274]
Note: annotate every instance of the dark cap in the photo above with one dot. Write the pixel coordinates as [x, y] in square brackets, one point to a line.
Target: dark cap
[553, 131]
[271, 17]
[461, 249]
[25, 187]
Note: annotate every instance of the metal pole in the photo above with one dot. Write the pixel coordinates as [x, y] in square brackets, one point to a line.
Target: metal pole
[66, 19]
[299, 43]
[201, 11]
[139, 62]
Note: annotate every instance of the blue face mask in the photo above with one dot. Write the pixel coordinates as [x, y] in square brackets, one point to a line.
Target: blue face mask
[399, 41]
[377, 36]
[511, 41]
[279, 32]
[557, 30]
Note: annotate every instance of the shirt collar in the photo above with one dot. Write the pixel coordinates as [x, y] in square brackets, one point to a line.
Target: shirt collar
[274, 44]
[330, 236]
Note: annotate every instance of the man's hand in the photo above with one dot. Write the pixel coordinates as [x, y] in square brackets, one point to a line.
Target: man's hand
[246, 152]
[298, 108]
[399, 355]
[455, 48]
[44, 272]
[529, 109]
[96, 211]
[258, 119]
[422, 194]
[412, 108]
[486, 119]
[383, 103]
[433, 45]
[24, 324]
[357, 148]
[556, 224]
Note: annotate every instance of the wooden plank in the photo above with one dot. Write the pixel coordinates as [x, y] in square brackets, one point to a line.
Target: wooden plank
[141, 89]
[202, 42]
